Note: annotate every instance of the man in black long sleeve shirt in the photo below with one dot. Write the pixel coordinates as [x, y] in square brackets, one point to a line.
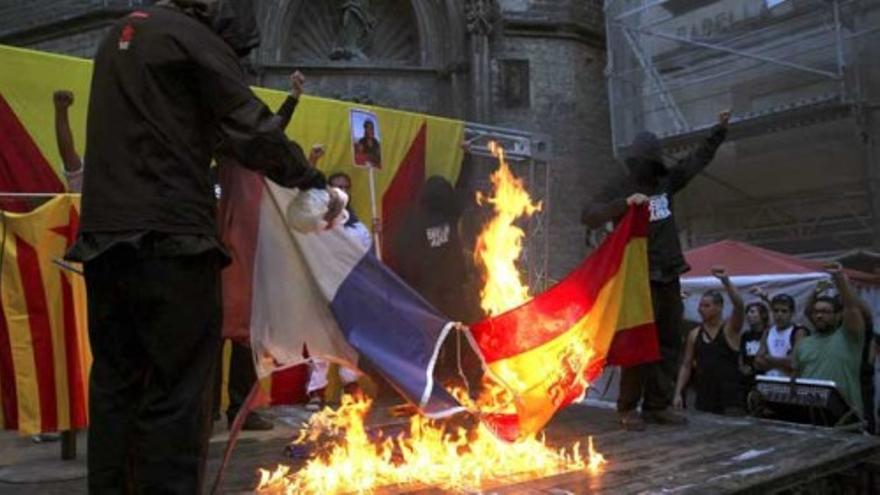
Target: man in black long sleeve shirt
[167, 87]
[649, 181]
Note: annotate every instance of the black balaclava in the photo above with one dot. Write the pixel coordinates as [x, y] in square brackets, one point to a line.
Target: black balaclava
[233, 20]
[645, 162]
[438, 200]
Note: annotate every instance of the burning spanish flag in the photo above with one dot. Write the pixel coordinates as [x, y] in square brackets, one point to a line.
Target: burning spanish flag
[546, 352]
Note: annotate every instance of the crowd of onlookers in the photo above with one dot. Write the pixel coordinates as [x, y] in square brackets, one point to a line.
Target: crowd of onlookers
[723, 356]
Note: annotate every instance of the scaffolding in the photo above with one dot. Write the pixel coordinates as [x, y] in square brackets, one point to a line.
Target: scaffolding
[778, 64]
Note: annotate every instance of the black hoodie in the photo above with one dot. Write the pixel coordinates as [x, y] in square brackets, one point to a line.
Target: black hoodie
[428, 250]
[650, 177]
[233, 20]
[167, 86]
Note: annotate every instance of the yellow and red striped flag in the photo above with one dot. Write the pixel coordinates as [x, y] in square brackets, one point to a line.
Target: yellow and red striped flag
[547, 351]
[44, 348]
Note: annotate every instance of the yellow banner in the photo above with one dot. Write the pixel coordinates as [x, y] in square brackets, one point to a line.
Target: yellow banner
[29, 78]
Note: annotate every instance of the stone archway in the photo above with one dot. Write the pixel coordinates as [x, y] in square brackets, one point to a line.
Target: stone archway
[403, 33]
[413, 55]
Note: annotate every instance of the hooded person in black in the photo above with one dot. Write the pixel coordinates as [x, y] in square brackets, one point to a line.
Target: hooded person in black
[650, 181]
[167, 88]
[430, 258]
[428, 248]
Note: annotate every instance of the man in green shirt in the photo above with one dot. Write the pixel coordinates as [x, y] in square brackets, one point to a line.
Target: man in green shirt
[833, 352]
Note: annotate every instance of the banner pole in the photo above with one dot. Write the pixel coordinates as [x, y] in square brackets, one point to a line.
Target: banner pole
[375, 214]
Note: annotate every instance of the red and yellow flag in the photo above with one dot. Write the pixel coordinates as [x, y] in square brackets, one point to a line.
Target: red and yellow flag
[547, 351]
[44, 348]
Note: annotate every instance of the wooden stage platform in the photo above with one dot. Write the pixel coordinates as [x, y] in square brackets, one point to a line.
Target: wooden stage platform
[712, 454]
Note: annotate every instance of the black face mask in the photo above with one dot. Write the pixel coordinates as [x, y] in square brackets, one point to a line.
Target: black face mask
[438, 199]
[645, 171]
[645, 162]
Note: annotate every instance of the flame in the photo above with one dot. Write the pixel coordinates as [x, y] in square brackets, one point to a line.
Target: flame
[348, 459]
[500, 243]
[427, 454]
[596, 460]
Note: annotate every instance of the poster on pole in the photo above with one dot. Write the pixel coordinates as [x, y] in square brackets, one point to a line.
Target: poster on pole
[366, 139]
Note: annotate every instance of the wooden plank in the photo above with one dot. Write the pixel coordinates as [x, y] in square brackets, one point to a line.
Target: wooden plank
[711, 454]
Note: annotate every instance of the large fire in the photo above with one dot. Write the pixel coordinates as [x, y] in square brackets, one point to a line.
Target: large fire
[427, 454]
[349, 459]
[500, 243]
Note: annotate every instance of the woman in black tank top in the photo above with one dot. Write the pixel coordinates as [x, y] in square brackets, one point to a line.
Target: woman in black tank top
[712, 352]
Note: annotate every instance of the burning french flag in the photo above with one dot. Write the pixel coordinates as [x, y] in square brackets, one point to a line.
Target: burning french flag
[325, 290]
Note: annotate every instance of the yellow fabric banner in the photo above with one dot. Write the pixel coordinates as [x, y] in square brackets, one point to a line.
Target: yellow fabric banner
[29, 78]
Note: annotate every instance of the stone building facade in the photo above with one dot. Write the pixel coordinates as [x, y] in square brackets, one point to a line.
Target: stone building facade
[533, 65]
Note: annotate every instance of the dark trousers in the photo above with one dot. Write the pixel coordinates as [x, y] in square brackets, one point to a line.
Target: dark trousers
[154, 326]
[242, 376]
[654, 383]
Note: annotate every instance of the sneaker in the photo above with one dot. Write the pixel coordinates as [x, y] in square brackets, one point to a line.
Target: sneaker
[255, 422]
[631, 421]
[663, 417]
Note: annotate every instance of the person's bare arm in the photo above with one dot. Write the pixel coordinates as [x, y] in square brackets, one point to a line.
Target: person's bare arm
[761, 294]
[285, 112]
[685, 371]
[63, 99]
[733, 324]
[317, 152]
[853, 320]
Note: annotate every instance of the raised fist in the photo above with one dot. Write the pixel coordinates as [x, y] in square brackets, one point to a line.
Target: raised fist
[719, 272]
[297, 81]
[62, 98]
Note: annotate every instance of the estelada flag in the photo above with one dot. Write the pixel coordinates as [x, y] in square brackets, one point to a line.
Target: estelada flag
[547, 351]
[44, 347]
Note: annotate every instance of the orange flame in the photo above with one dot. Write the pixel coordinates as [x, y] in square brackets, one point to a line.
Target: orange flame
[596, 460]
[429, 454]
[500, 243]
